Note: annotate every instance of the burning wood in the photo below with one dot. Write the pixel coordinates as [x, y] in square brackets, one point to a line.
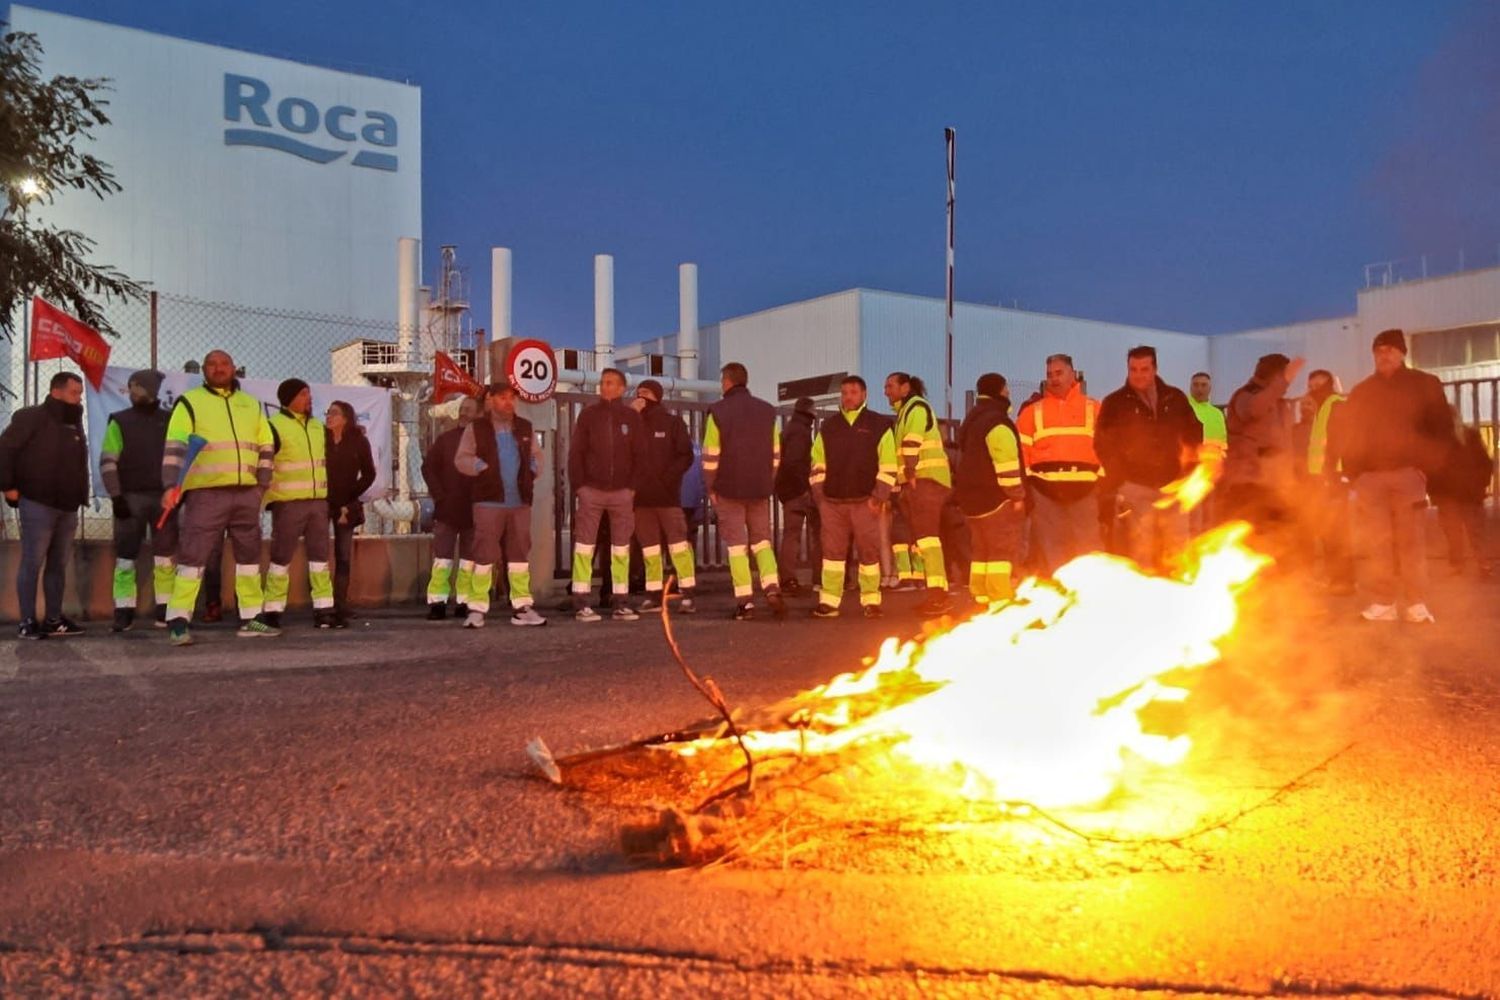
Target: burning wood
[1037, 704]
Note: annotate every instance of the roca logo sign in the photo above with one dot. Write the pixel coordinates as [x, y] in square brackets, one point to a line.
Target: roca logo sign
[298, 126]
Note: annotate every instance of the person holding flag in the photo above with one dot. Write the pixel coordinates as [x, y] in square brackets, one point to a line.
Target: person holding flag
[298, 502]
[220, 488]
[130, 466]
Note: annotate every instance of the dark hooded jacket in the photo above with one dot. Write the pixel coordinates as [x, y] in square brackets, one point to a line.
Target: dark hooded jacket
[666, 456]
[44, 456]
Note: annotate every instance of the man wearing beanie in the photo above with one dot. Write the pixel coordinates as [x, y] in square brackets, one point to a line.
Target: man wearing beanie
[1392, 433]
[666, 456]
[130, 466]
[220, 490]
[989, 484]
[298, 502]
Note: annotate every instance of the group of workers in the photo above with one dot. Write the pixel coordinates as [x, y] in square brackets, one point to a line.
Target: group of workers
[880, 494]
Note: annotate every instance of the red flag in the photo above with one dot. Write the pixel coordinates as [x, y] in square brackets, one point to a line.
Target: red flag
[449, 379]
[55, 334]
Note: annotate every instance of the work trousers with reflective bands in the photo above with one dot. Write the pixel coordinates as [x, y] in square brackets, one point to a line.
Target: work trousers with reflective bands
[654, 527]
[206, 514]
[845, 522]
[501, 532]
[995, 545]
[922, 503]
[1392, 505]
[450, 544]
[593, 505]
[130, 535]
[307, 520]
[745, 530]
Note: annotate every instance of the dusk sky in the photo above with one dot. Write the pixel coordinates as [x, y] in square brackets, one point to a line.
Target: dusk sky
[1196, 166]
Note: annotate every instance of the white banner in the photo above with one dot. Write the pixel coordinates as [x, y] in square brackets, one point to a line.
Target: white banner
[371, 405]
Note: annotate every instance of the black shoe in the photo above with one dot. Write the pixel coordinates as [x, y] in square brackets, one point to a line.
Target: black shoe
[161, 616]
[938, 603]
[873, 611]
[322, 619]
[790, 587]
[744, 612]
[30, 630]
[778, 606]
[61, 627]
[271, 618]
[124, 619]
[341, 619]
[825, 611]
[213, 611]
[460, 611]
[437, 612]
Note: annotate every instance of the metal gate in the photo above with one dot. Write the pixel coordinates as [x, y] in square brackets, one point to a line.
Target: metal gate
[1478, 402]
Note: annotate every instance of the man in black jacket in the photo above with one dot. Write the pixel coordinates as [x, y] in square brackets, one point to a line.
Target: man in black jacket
[602, 459]
[44, 470]
[496, 449]
[1148, 435]
[666, 456]
[797, 504]
[453, 519]
[1393, 432]
[130, 466]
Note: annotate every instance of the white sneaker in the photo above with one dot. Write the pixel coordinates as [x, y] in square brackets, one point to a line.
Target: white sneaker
[527, 616]
[586, 614]
[475, 620]
[1418, 614]
[651, 604]
[1380, 613]
[624, 613]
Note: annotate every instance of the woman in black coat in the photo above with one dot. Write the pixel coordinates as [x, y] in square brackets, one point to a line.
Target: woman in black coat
[351, 471]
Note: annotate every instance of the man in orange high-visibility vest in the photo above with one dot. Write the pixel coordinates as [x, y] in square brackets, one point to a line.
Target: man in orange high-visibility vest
[1062, 467]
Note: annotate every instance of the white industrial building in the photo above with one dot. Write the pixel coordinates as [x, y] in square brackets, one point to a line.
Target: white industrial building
[249, 180]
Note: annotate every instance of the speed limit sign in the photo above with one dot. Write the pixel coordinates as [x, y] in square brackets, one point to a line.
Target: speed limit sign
[531, 369]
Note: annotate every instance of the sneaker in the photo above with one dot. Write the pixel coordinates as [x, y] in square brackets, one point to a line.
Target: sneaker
[271, 618]
[437, 612]
[213, 611]
[257, 628]
[624, 613]
[124, 619]
[907, 586]
[61, 628]
[323, 619]
[30, 630]
[527, 616]
[1417, 614]
[161, 616]
[778, 606]
[178, 633]
[652, 604]
[873, 611]
[938, 603]
[1380, 613]
[474, 619]
[825, 611]
[586, 614]
[744, 612]
[687, 606]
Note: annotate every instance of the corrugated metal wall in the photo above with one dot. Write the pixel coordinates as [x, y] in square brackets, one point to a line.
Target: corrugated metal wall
[793, 341]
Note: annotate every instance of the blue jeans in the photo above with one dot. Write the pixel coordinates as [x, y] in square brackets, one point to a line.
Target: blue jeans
[46, 538]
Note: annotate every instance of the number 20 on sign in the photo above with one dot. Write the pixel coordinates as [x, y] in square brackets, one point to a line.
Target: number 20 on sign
[531, 369]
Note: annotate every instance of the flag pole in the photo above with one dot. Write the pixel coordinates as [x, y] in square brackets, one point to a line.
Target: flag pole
[950, 136]
[25, 351]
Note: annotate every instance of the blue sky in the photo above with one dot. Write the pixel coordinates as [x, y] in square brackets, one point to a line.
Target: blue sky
[1196, 166]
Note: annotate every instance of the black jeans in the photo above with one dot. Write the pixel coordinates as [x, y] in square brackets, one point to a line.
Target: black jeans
[343, 559]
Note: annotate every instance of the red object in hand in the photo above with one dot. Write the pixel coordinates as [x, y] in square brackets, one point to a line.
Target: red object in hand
[169, 502]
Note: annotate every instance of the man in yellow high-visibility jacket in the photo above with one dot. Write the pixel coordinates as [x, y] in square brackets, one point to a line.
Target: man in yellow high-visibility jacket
[990, 488]
[925, 482]
[221, 491]
[1328, 493]
[298, 502]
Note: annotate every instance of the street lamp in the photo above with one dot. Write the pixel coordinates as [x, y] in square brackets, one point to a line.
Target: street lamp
[30, 188]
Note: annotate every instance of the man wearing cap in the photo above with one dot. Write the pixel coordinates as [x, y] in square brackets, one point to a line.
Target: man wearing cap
[130, 466]
[452, 520]
[298, 502]
[797, 505]
[496, 449]
[220, 491]
[1394, 430]
[666, 456]
[853, 473]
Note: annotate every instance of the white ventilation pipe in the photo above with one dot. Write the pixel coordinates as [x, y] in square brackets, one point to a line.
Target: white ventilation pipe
[604, 311]
[500, 294]
[408, 305]
[687, 319]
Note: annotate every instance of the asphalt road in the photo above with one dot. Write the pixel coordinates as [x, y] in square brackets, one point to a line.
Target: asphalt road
[354, 814]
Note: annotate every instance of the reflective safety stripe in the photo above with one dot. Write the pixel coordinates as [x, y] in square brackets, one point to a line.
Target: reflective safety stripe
[1066, 475]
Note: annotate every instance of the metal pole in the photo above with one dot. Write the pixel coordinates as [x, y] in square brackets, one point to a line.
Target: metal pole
[25, 351]
[154, 365]
[950, 136]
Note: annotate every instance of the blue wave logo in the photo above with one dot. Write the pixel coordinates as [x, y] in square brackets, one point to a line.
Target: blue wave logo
[248, 97]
